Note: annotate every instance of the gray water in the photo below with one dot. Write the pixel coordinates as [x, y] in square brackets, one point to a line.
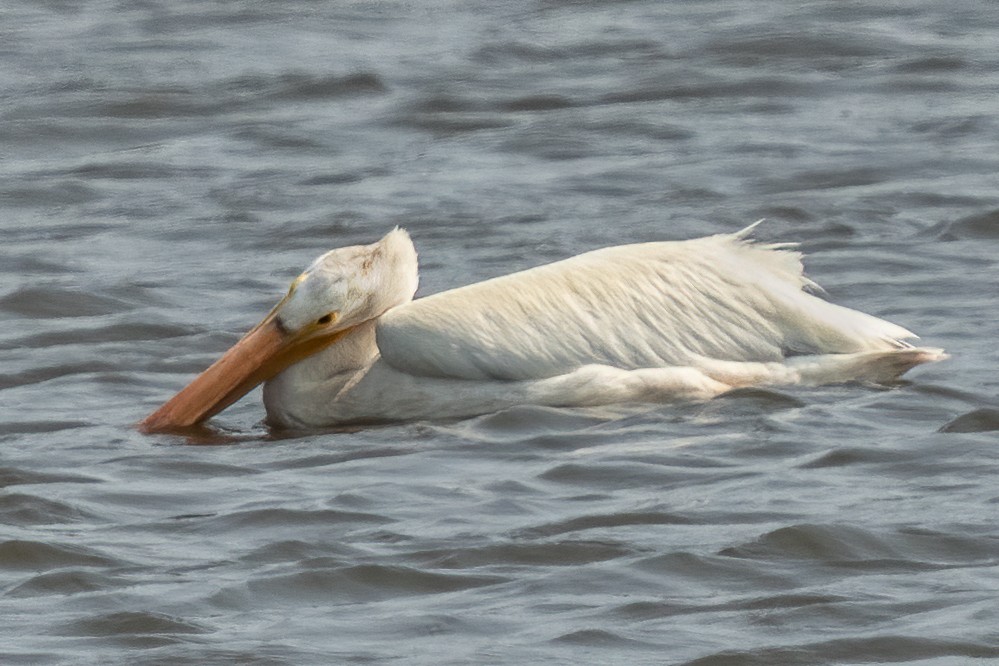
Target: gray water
[167, 168]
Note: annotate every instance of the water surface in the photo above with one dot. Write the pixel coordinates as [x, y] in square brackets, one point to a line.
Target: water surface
[167, 170]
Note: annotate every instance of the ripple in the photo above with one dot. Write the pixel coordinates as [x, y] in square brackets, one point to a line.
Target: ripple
[515, 51]
[932, 64]
[49, 193]
[601, 638]
[853, 455]
[669, 89]
[456, 111]
[270, 518]
[22, 509]
[711, 572]
[56, 302]
[624, 519]
[533, 103]
[798, 45]
[559, 553]
[755, 399]
[845, 544]
[453, 123]
[364, 582]
[338, 458]
[985, 419]
[827, 179]
[952, 128]
[135, 623]
[41, 374]
[192, 468]
[128, 170]
[38, 556]
[304, 86]
[653, 610]
[548, 143]
[984, 226]
[115, 332]
[66, 582]
[609, 476]
[155, 104]
[13, 476]
[26, 427]
[527, 424]
[295, 550]
[882, 648]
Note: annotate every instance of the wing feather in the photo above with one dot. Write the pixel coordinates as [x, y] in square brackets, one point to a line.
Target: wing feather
[632, 306]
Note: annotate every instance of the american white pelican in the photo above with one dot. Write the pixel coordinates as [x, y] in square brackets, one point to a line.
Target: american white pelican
[648, 322]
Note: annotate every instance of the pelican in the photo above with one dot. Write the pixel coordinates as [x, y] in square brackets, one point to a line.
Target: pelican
[649, 322]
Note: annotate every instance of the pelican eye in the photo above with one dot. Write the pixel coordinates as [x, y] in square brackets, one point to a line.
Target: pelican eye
[325, 319]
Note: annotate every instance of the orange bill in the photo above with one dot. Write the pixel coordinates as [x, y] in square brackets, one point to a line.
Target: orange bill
[260, 355]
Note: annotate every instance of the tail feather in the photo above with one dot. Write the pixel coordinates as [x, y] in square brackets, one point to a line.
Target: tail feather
[880, 367]
[746, 232]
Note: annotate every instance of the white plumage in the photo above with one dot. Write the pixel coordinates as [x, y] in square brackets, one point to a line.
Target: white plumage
[649, 305]
[646, 322]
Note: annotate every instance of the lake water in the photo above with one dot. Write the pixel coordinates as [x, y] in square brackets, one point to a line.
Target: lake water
[168, 168]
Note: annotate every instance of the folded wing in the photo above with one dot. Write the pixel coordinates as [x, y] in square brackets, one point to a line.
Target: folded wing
[633, 306]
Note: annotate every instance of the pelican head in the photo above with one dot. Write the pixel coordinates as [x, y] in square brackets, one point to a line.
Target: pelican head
[339, 291]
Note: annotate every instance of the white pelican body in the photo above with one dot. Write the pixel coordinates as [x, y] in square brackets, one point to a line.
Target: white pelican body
[649, 322]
